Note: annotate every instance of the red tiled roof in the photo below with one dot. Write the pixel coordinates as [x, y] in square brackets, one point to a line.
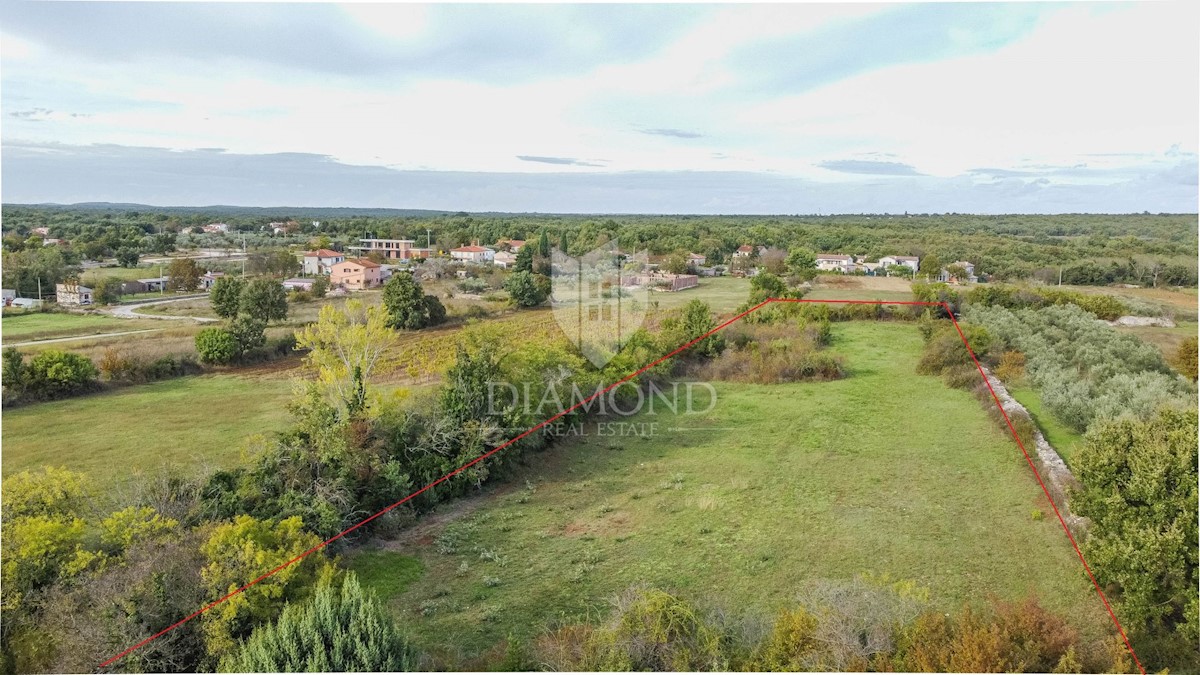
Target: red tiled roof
[322, 253]
[468, 249]
[746, 248]
[362, 262]
[832, 256]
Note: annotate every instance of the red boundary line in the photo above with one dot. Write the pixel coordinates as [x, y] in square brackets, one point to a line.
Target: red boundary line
[618, 383]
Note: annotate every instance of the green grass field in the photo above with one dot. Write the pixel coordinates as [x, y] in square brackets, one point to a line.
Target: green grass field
[187, 423]
[883, 472]
[723, 295]
[46, 325]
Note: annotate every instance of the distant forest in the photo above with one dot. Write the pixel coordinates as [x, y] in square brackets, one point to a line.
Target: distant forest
[1143, 249]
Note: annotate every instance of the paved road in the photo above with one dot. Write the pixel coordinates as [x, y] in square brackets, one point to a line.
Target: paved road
[34, 343]
[130, 310]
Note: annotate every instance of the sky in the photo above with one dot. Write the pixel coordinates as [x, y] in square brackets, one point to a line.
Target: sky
[603, 108]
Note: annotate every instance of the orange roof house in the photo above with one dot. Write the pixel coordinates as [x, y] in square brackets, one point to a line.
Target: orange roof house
[356, 274]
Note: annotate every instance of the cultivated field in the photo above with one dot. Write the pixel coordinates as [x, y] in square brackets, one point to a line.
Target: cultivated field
[885, 472]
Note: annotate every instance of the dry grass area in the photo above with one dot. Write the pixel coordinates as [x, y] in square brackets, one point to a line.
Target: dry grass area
[836, 287]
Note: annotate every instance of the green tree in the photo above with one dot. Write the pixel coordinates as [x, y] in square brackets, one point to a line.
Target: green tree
[184, 274]
[766, 285]
[802, 263]
[695, 320]
[265, 300]
[107, 291]
[677, 262]
[243, 550]
[931, 266]
[217, 345]
[1185, 358]
[340, 629]
[248, 332]
[128, 257]
[14, 375]
[343, 342]
[1139, 488]
[163, 243]
[320, 286]
[524, 259]
[527, 289]
[544, 244]
[226, 296]
[407, 305]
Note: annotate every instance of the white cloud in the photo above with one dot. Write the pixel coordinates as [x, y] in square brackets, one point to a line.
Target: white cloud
[1112, 87]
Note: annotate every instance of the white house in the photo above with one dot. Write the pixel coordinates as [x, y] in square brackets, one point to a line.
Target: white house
[216, 228]
[210, 278]
[970, 277]
[321, 261]
[473, 253]
[835, 262]
[72, 294]
[504, 259]
[911, 262]
[744, 251]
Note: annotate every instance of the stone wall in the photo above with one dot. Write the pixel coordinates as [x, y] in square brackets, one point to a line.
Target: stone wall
[1054, 471]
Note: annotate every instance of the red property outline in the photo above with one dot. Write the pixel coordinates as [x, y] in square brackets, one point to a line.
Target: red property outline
[629, 377]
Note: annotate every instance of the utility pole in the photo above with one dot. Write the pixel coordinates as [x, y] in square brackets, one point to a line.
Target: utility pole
[243, 256]
[1060, 275]
[162, 282]
[428, 238]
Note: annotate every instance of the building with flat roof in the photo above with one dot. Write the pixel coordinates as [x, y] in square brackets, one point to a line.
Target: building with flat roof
[392, 249]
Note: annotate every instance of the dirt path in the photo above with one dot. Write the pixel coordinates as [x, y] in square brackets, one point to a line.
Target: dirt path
[129, 311]
[93, 336]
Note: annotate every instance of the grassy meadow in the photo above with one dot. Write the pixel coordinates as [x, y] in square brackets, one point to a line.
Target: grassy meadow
[187, 423]
[24, 327]
[884, 472]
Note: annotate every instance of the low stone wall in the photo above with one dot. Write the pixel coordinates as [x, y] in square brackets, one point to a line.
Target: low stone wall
[1054, 471]
[1161, 321]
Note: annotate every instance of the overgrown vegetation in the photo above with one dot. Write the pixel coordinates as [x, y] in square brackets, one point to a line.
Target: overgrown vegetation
[863, 625]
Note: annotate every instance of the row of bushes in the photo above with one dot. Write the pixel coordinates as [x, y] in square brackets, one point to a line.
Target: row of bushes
[1104, 306]
[49, 375]
[862, 625]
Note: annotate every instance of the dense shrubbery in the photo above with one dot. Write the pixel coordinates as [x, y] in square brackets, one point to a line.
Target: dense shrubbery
[50, 374]
[771, 354]
[341, 629]
[1085, 370]
[408, 305]
[1103, 306]
[833, 626]
[1139, 488]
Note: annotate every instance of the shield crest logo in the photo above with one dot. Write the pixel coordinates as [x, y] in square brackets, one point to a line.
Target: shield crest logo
[598, 299]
